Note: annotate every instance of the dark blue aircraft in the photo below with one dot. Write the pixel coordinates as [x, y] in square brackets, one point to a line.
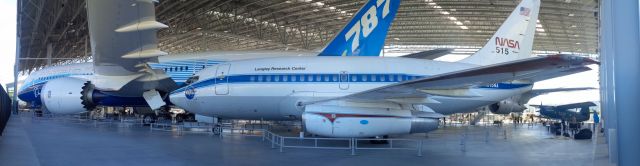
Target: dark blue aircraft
[566, 112]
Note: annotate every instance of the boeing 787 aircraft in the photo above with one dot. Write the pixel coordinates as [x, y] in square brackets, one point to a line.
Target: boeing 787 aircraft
[374, 96]
[128, 70]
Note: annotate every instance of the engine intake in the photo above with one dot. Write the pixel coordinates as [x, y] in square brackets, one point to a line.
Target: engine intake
[71, 95]
[506, 107]
[65, 96]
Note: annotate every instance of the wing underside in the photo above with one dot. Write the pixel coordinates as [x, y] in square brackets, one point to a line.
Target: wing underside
[458, 83]
[123, 41]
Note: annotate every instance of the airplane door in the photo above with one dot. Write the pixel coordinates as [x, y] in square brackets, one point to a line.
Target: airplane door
[222, 81]
[344, 80]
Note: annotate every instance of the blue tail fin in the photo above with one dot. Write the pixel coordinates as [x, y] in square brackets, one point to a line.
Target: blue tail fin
[364, 35]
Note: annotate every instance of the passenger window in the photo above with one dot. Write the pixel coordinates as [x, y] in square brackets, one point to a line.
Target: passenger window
[319, 78]
[268, 78]
[373, 78]
[382, 78]
[276, 79]
[186, 68]
[364, 78]
[400, 78]
[335, 78]
[252, 78]
[326, 78]
[354, 78]
[294, 78]
[260, 78]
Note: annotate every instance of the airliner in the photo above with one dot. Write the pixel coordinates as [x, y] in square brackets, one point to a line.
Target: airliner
[128, 70]
[359, 96]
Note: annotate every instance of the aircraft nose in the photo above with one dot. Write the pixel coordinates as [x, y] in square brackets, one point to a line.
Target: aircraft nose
[178, 99]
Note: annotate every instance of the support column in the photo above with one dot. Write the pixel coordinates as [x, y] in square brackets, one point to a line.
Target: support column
[607, 91]
[16, 65]
[621, 34]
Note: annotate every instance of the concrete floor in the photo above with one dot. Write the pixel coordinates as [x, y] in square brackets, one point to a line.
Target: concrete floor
[48, 142]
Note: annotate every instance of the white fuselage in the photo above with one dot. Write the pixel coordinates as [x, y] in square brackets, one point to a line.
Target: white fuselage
[177, 66]
[271, 88]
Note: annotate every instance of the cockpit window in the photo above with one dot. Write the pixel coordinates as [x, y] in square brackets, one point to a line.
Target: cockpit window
[192, 79]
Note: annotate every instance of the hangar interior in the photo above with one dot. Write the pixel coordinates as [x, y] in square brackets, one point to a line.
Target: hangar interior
[568, 26]
[55, 32]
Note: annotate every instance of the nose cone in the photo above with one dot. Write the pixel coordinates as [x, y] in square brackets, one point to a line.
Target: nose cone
[182, 97]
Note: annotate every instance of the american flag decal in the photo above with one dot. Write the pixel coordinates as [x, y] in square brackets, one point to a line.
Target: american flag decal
[525, 11]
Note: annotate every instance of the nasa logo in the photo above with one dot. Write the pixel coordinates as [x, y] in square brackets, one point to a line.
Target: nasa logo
[364, 122]
[190, 93]
[508, 42]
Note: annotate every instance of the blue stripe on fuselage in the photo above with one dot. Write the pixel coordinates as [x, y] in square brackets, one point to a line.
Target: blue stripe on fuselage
[505, 86]
[322, 78]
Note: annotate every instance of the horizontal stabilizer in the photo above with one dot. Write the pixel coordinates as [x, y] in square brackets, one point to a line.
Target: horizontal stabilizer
[430, 55]
[141, 26]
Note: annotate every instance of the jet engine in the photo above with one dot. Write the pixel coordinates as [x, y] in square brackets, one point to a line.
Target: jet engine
[506, 107]
[71, 95]
[65, 96]
[342, 121]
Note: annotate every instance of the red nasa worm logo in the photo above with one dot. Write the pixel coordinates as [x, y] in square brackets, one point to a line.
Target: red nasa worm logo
[507, 42]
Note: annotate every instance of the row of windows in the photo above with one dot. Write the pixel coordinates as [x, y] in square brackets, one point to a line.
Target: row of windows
[58, 76]
[179, 68]
[332, 78]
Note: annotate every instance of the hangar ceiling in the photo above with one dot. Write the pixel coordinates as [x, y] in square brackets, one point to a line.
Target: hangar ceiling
[210, 25]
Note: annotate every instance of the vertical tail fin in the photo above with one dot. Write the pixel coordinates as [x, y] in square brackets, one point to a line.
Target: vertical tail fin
[514, 38]
[364, 34]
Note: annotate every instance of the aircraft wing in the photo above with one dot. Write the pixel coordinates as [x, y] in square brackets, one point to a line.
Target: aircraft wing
[557, 73]
[458, 83]
[537, 92]
[430, 55]
[575, 105]
[123, 41]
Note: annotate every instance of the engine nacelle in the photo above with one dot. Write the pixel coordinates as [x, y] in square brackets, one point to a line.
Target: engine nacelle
[341, 121]
[63, 96]
[506, 107]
